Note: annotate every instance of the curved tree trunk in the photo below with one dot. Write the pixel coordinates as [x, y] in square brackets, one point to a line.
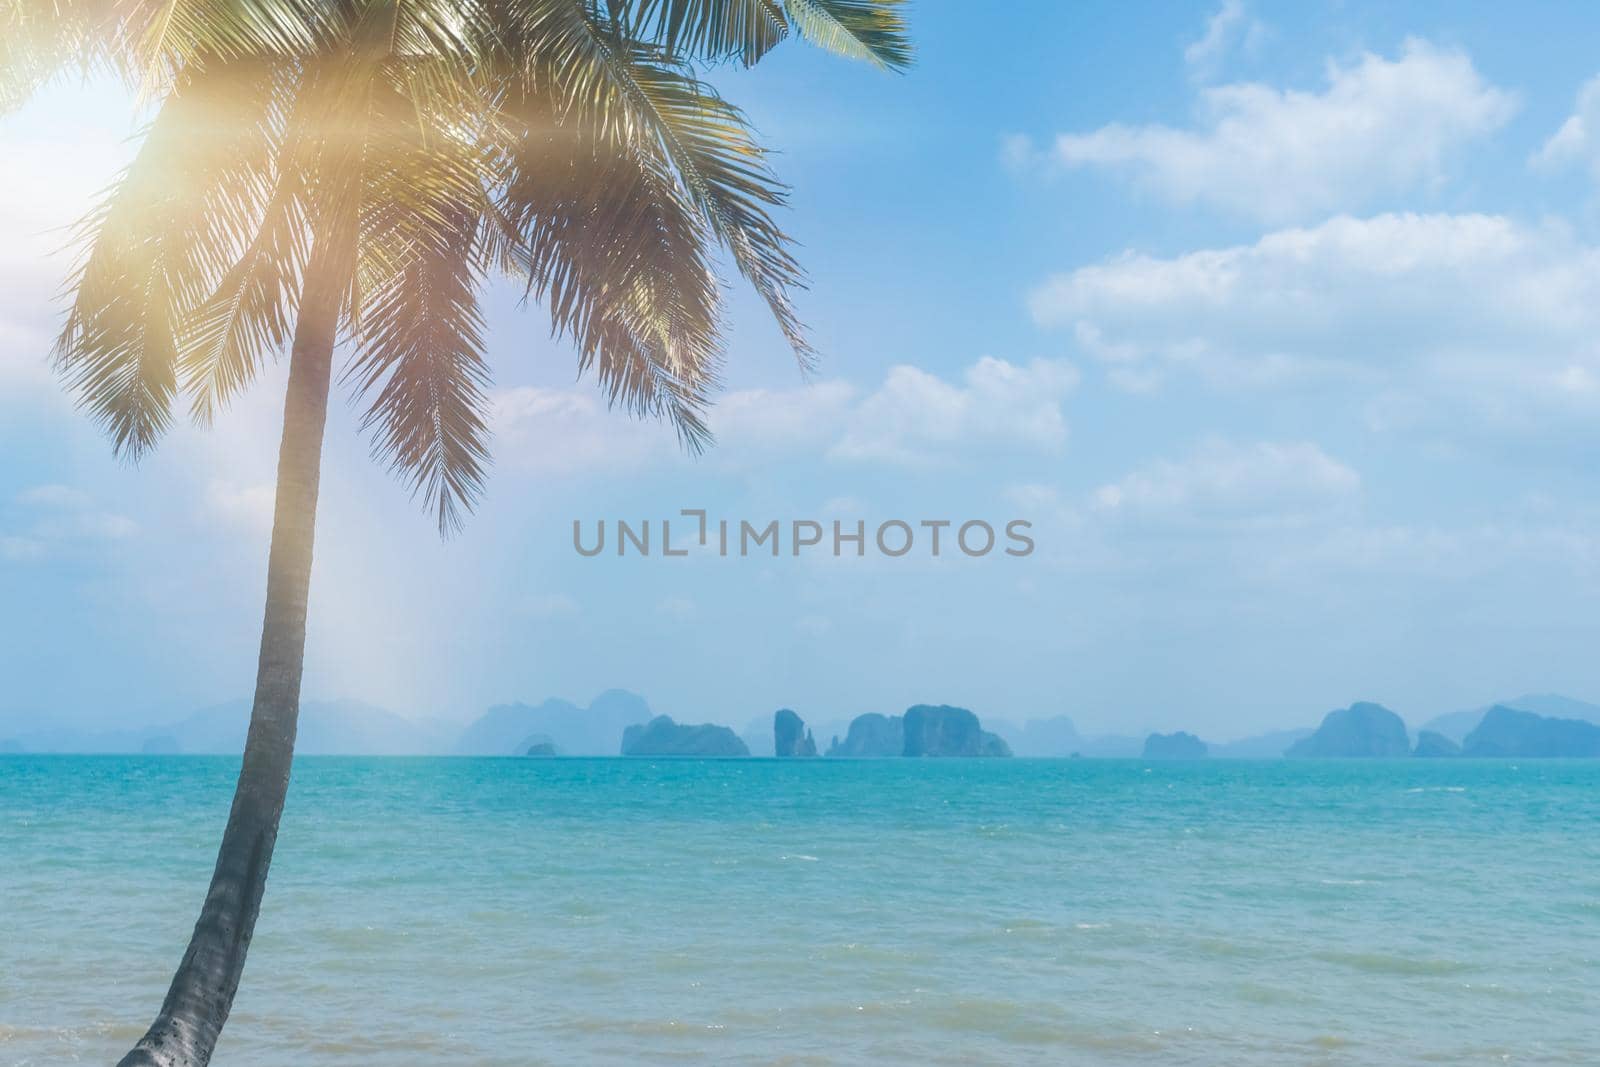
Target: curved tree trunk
[197, 1004]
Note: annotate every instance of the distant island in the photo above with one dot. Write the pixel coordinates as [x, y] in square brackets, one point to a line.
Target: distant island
[945, 731]
[790, 738]
[1508, 732]
[1367, 730]
[617, 721]
[939, 731]
[871, 735]
[1363, 730]
[575, 730]
[663, 737]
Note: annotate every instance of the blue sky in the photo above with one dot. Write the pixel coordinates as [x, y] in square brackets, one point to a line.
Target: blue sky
[1281, 323]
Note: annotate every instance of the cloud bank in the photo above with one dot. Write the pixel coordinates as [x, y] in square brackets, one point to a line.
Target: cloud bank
[1493, 317]
[912, 418]
[1379, 127]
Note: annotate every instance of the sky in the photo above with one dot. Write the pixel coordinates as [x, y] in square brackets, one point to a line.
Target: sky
[1279, 322]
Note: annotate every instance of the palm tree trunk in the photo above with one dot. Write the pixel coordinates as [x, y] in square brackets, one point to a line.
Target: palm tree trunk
[197, 1004]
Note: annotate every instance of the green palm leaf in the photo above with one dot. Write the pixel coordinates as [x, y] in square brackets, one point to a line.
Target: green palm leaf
[704, 29]
[873, 30]
[606, 238]
[162, 239]
[421, 359]
[634, 94]
[421, 259]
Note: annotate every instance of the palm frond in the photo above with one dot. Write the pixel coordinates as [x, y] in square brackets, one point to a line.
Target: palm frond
[167, 37]
[418, 328]
[420, 357]
[42, 39]
[156, 248]
[632, 93]
[873, 30]
[411, 145]
[606, 238]
[248, 318]
[713, 30]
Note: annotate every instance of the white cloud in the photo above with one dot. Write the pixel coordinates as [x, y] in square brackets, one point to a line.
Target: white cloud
[1230, 27]
[248, 506]
[918, 417]
[54, 496]
[1221, 482]
[51, 517]
[1488, 314]
[1380, 127]
[1577, 142]
[61, 513]
[782, 419]
[563, 431]
[1249, 523]
[913, 417]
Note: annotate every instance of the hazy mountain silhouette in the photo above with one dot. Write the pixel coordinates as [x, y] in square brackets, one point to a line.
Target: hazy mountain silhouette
[1261, 746]
[575, 731]
[327, 727]
[871, 735]
[1181, 745]
[352, 727]
[1456, 725]
[1055, 736]
[1433, 745]
[1364, 730]
[1514, 733]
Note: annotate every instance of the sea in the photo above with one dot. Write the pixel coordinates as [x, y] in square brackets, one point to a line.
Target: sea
[613, 911]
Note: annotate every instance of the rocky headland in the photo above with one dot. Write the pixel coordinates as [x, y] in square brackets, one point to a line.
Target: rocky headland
[661, 736]
[1361, 730]
[790, 738]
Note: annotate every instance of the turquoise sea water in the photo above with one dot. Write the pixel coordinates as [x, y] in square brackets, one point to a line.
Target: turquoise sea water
[509, 912]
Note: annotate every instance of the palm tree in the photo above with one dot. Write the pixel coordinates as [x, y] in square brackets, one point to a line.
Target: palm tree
[346, 175]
